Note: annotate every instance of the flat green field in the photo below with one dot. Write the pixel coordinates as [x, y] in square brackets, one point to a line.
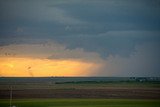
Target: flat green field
[81, 103]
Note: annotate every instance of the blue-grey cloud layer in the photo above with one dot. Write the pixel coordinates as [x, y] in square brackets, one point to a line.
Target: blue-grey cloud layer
[108, 27]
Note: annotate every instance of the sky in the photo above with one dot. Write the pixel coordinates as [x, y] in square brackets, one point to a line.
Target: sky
[119, 38]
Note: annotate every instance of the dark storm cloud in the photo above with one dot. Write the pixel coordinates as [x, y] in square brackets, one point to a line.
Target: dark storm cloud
[114, 42]
[107, 27]
[65, 21]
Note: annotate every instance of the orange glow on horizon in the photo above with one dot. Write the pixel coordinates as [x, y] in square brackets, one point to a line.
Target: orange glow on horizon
[31, 67]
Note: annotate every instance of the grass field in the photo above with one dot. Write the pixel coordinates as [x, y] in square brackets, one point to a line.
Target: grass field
[81, 103]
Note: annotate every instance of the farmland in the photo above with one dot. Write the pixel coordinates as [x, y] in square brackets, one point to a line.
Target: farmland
[80, 92]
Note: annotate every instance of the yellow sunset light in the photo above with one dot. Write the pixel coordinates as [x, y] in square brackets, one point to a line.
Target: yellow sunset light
[27, 67]
[10, 65]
